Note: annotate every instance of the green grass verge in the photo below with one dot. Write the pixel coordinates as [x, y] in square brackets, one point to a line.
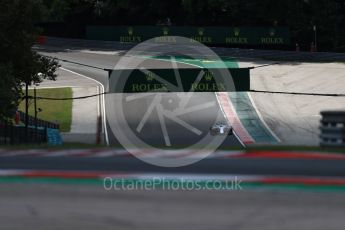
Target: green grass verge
[54, 111]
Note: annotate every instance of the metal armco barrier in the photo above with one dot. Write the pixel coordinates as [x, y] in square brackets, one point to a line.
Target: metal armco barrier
[332, 129]
[40, 122]
[14, 135]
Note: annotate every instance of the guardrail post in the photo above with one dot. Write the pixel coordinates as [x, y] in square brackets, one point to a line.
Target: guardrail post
[332, 129]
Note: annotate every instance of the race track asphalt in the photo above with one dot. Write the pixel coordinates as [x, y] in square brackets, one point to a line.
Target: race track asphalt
[49, 205]
[151, 133]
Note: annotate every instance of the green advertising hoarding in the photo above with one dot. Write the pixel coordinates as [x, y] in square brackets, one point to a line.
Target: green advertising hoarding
[205, 35]
[192, 80]
[258, 36]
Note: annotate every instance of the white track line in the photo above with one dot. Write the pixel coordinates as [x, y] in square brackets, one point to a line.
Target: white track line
[261, 118]
[103, 102]
[226, 118]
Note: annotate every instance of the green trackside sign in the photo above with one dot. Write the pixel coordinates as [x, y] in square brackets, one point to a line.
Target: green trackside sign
[206, 35]
[192, 80]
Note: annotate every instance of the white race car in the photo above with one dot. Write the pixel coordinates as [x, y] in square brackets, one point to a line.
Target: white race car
[221, 129]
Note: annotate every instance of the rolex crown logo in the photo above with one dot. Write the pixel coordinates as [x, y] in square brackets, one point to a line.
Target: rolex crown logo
[201, 31]
[236, 31]
[149, 77]
[130, 31]
[208, 76]
[165, 31]
[272, 32]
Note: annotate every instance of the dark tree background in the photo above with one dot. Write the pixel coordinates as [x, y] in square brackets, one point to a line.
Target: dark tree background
[20, 19]
[19, 64]
[298, 15]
